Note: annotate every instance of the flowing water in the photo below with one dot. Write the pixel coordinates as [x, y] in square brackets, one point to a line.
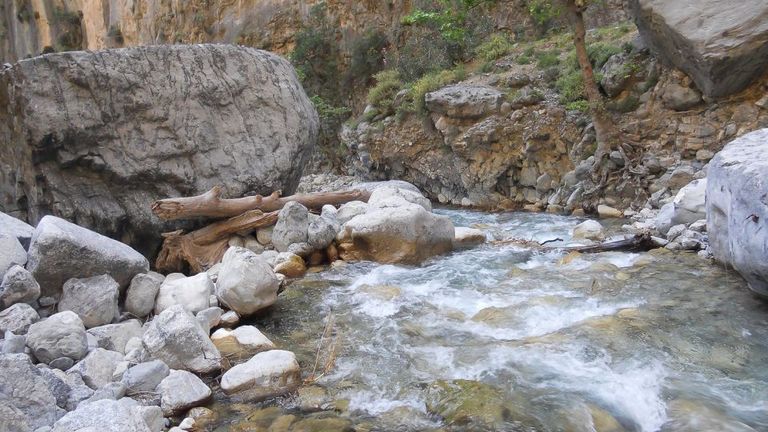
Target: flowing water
[540, 341]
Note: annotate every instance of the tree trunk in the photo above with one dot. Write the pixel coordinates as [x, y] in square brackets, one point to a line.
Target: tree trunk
[210, 204]
[203, 248]
[604, 129]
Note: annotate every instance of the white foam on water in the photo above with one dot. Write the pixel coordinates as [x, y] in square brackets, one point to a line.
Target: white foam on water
[631, 390]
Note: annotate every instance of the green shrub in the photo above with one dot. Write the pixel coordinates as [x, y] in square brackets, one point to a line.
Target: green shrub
[431, 82]
[523, 60]
[424, 51]
[579, 105]
[570, 85]
[382, 94]
[497, 46]
[546, 59]
[600, 52]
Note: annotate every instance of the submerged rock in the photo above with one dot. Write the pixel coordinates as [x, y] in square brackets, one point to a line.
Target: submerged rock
[61, 250]
[201, 122]
[466, 237]
[737, 208]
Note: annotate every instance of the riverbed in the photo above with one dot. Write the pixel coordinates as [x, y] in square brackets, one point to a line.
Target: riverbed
[500, 337]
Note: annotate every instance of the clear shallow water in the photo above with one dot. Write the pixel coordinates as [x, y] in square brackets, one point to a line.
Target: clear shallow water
[612, 341]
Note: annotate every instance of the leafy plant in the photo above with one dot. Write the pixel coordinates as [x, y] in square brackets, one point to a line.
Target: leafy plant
[497, 46]
[367, 57]
[546, 59]
[316, 56]
[382, 95]
[431, 82]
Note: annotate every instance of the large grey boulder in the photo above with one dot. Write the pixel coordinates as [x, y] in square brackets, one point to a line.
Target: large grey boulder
[180, 391]
[114, 337]
[216, 114]
[97, 367]
[464, 101]
[18, 318]
[18, 286]
[291, 226]
[176, 338]
[141, 294]
[722, 45]
[246, 282]
[193, 293]
[61, 250]
[406, 234]
[737, 207]
[11, 253]
[106, 415]
[13, 227]
[265, 375]
[60, 335]
[93, 299]
[26, 400]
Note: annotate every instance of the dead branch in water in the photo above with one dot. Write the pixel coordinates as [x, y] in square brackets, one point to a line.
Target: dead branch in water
[331, 345]
[211, 205]
[636, 243]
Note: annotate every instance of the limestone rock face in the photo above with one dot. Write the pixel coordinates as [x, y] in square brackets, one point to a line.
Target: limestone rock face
[246, 282]
[737, 207]
[267, 374]
[406, 234]
[464, 101]
[723, 46]
[189, 117]
[60, 335]
[61, 250]
[176, 338]
[27, 401]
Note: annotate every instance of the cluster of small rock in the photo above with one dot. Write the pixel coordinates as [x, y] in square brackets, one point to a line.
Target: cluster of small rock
[96, 340]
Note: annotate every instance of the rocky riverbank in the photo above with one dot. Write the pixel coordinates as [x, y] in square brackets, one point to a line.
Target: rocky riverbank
[99, 341]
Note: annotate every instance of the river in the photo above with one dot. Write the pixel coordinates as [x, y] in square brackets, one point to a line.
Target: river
[502, 338]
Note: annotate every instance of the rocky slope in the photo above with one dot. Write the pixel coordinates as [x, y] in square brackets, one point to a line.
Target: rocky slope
[96, 137]
[506, 139]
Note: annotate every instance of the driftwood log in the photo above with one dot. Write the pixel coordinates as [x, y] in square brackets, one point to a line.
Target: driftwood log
[203, 248]
[211, 205]
[637, 243]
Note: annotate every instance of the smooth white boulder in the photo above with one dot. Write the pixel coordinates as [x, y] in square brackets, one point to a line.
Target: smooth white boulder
[267, 374]
[192, 293]
[243, 341]
[590, 230]
[737, 207]
[180, 391]
[467, 237]
[246, 284]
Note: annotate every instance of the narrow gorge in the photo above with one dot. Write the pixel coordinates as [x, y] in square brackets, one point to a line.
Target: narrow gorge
[422, 215]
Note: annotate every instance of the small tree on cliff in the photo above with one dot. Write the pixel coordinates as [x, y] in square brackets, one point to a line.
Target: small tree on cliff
[604, 129]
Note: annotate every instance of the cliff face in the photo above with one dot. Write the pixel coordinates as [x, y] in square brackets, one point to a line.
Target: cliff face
[30, 27]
